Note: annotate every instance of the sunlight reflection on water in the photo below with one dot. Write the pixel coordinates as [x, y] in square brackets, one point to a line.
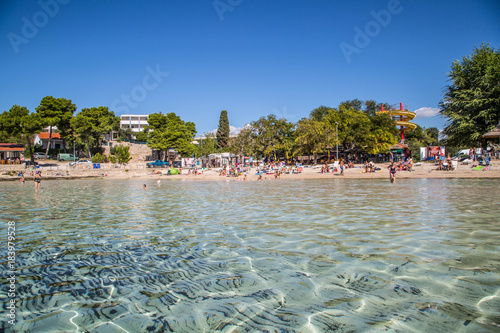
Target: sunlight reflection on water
[304, 255]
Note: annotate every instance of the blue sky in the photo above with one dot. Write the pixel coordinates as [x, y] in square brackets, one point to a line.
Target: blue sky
[251, 58]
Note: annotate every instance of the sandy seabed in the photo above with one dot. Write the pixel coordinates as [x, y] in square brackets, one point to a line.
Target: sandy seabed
[423, 170]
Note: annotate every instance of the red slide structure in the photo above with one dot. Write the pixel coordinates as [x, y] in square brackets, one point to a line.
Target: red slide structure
[402, 118]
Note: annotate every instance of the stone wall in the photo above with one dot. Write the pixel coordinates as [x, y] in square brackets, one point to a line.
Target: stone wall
[138, 152]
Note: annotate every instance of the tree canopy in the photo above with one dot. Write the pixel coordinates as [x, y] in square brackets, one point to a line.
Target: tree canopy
[167, 131]
[91, 123]
[57, 112]
[471, 103]
[18, 121]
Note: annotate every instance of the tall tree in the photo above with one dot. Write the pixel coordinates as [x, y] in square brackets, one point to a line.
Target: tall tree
[356, 104]
[314, 136]
[223, 130]
[56, 112]
[19, 121]
[170, 131]
[273, 136]
[471, 102]
[91, 124]
[319, 113]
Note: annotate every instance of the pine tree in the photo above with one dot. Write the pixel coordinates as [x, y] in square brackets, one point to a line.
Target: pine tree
[223, 130]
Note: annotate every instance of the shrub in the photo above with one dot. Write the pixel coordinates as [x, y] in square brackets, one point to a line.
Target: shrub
[98, 158]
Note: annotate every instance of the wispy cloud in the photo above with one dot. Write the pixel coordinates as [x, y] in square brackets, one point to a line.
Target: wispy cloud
[426, 112]
[232, 130]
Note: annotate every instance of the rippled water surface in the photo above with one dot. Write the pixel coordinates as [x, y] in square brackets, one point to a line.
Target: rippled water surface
[275, 256]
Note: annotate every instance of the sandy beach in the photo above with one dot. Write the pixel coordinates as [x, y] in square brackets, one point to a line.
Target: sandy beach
[421, 170]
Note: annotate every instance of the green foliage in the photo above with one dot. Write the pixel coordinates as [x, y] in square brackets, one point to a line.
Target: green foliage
[98, 158]
[142, 136]
[347, 127]
[472, 101]
[170, 131]
[223, 130]
[91, 124]
[314, 136]
[120, 154]
[125, 133]
[244, 143]
[19, 122]
[273, 136]
[57, 112]
[206, 146]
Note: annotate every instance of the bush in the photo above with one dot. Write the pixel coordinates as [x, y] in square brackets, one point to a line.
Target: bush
[98, 158]
[112, 158]
[126, 170]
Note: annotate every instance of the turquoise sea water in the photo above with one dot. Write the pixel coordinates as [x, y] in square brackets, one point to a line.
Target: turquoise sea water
[338, 255]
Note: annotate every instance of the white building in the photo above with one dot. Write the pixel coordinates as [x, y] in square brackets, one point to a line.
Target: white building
[135, 122]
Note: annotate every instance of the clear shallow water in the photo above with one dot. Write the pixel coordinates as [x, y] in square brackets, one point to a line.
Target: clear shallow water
[279, 256]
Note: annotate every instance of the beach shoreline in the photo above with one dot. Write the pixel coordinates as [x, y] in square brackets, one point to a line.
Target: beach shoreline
[425, 170]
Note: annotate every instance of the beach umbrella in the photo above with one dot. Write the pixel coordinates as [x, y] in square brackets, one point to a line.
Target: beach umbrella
[495, 133]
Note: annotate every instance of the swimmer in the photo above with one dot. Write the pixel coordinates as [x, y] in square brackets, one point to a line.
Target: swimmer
[144, 186]
[158, 181]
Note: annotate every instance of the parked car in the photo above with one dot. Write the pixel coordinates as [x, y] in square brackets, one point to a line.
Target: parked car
[66, 157]
[39, 156]
[157, 164]
[81, 162]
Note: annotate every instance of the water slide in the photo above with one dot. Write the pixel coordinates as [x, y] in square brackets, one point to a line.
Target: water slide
[402, 118]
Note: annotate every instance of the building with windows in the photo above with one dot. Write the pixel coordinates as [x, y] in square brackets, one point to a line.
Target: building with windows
[10, 152]
[133, 121]
[42, 139]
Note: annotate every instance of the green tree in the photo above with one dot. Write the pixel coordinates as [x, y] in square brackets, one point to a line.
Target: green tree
[223, 130]
[355, 104]
[471, 103]
[207, 145]
[125, 133]
[170, 131]
[433, 134]
[91, 124]
[142, 136]
[244, 143]
[319, 113]
[18, 121]
[314, 136]
[57, 112]
[122, 154]
[273, 136]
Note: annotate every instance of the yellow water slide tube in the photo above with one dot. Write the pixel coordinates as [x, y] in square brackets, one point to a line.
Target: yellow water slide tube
[403, 118]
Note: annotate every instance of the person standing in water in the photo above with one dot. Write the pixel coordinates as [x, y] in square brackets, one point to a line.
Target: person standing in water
[37, 178]
[392, 172]
[341, 166]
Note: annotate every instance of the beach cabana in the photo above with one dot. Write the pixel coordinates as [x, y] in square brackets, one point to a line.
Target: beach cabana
[493, 134]
[11, 151]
